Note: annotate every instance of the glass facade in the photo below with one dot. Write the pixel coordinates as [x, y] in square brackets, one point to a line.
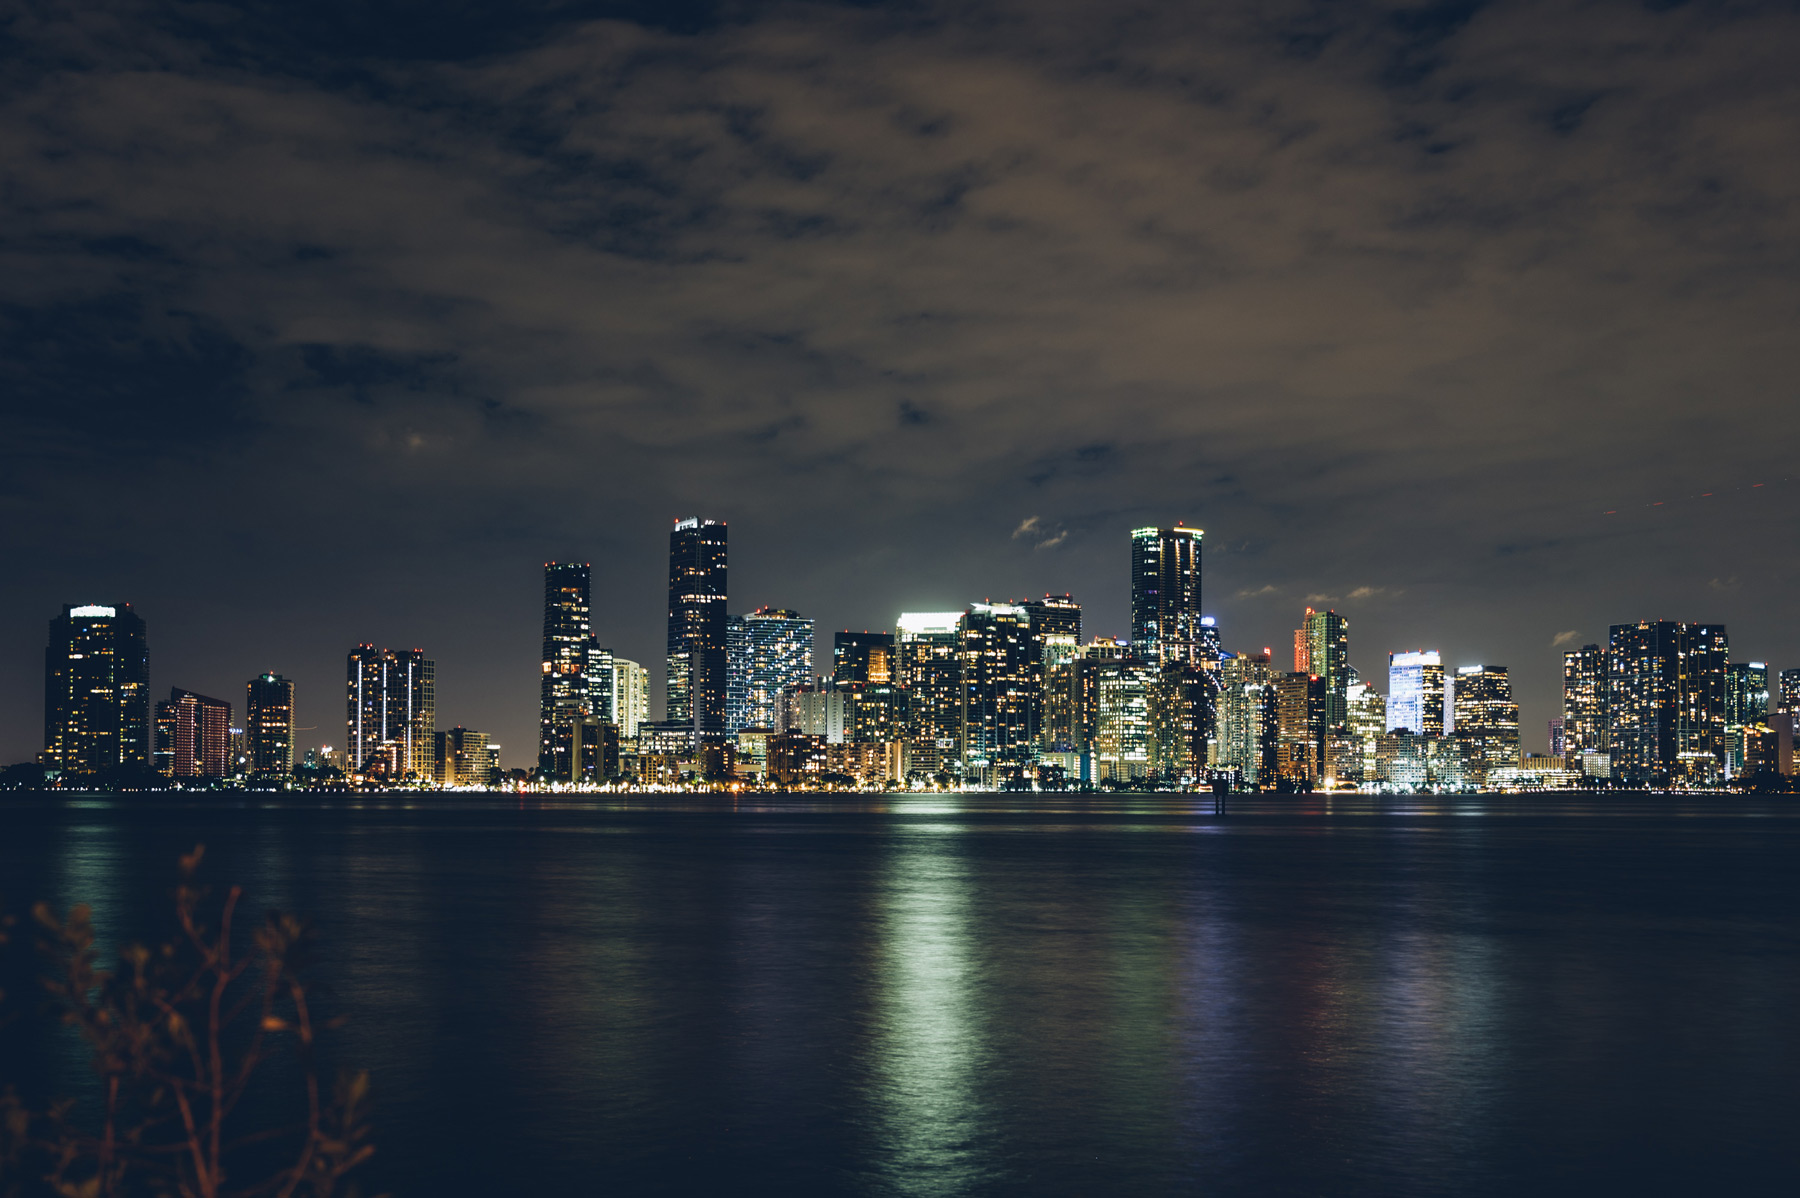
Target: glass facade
[1165, 593]
[697, 652]
[269, 725]
[97, 690]
[193, 736]
[769, 650]
[1584, 701]
[999, 685]
[1486, 720]
[1415, 700]
[564, 696]
[391, 712]
[928, 646]
[1666, 701]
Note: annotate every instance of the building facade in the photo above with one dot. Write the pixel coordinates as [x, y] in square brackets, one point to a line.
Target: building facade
[1325, 637]
[1000, 671]
[929, 649]
[697, 652]
[862, 657]
[1584, 701]
[193, 736]
[1486, 721]
[1666, 702]
[269, 725]
[97, 690]
[1247, 728]
[565, 690]
[1415, 700]
[769, 650]
[1165, 593]
[631, 696]
[391, 712]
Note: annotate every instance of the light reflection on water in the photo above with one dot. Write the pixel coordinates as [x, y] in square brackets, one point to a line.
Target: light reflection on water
[929, 995]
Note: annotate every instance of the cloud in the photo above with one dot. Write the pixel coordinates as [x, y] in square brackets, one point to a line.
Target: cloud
[1565, 638]
[523, 286]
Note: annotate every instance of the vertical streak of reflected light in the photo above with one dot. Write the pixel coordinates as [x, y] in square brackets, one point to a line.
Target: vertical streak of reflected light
[929, 1040]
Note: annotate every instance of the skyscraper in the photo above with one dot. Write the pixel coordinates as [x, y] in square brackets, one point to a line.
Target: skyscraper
[1746, 695]
[1181, 709]
[631, 696]
[1416, 692]
[929, 651]
[1121, 689]
[1054, 615]
[1787, 698]
[1165, 593]
[1325, 636]
[1486, 720]
[391, 712]
[767, 650]
[697, 652]
[1666, 701]
[1584, 701]
[563, 693]
[860, 657]
[1300, 704]
[97, 690]
[269, 725]
[193, 736]
[999, 685]
[1247, 726]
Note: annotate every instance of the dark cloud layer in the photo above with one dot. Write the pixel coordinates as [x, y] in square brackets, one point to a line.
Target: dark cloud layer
[323, 323]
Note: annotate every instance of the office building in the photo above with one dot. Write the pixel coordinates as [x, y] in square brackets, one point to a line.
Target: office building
[928, 647]
[879, 712]
[269, 725]
[97, 690]
[1120, 749]
[1666, 702]
[1746, 708]
[1584, 701]
[768, 650]
[1486, 721]
[602, 686]
[463, 758]
[1181, 716]
[568, 651]
[1366, 724]
[193, 736]
[1247, 727]
[1165, 593]
[1322, 647]
[631, 696]
[1054, 615]
[1300, 728]
[1415, 700]
[862, 657]
[1787, 697]
[697, 653]
[1000, 674]
[391, 712]
[1558, 737]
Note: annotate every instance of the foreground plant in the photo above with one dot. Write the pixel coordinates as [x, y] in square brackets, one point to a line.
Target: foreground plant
[180, 1035]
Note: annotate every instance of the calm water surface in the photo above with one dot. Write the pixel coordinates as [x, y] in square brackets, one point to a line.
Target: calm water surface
[1019, 995]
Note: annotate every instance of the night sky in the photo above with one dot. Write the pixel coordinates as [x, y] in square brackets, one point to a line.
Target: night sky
[331, 322]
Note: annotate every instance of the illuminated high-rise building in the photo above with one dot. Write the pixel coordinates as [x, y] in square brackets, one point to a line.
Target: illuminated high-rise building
[564, 689]
[1181, 712]
[928, 647]
[1054, 615]
[193, 736]
[1666, 701]
[391, 712]
[1122, 736]
[463, 758]
[1584, 701]
[1322, 647]
[697, 653]
[631, 696]
[1165, 593]
[768, 650]
[999, 686]
[269, 725]
[97, 690]
[1366, 723]
[862, 657]
[1486, 720]
[1787, 697]
[1746, 695]
[1247, 726]
[1415, 699]
[1300, 727]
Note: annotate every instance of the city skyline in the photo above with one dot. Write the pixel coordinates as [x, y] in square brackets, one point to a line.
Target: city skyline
[1000, 731]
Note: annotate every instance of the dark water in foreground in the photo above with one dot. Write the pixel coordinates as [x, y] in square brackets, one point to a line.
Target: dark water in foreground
[1000, 995]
